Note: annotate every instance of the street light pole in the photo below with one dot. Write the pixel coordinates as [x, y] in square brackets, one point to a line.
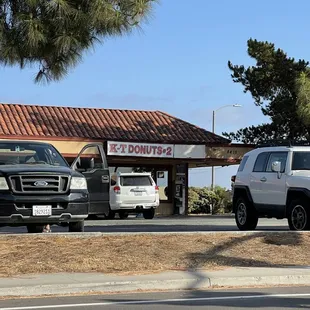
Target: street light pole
[213, 171]
[213, 131]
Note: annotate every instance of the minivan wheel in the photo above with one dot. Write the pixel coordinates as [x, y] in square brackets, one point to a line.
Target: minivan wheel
[34, 229]
[123, 215]
[149, 214]
[76, 226]
[298, 216]
[245, 215]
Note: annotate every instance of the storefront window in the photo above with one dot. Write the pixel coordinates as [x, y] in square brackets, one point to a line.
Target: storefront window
[162, 182]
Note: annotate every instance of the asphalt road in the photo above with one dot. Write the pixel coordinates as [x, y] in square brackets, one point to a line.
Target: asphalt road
[268, 298]
[168, 224]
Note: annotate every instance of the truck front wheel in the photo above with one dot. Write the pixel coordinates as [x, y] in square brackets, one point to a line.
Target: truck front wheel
[34, 229]
[245, 215]
[76, 226]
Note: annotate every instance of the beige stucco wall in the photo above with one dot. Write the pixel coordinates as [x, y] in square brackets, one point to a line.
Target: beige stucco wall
[164, 209]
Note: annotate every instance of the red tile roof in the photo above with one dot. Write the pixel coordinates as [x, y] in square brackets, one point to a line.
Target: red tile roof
[105, 124]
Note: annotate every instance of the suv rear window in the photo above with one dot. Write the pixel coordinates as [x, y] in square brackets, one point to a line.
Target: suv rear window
[136, 181]
[242, 164]
[301, 161]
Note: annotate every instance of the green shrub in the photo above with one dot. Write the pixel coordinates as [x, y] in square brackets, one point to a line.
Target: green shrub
[204, 200]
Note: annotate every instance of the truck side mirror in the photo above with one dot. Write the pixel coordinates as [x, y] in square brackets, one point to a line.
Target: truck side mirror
[276, 166]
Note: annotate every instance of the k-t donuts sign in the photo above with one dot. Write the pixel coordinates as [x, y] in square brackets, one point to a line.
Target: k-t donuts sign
[140, 149]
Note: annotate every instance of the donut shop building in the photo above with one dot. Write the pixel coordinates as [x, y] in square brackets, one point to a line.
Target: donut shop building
[133, 141]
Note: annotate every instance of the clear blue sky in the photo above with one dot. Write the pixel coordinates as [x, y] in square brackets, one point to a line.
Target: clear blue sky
[178, 64]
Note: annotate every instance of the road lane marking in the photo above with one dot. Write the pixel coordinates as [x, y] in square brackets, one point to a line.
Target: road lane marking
[139, 302]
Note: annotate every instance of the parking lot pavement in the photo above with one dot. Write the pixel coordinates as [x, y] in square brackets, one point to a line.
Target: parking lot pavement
[163, 224]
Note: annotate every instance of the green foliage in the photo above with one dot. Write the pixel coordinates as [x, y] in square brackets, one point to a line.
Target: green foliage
[303, 98]
[273, 83]
[55, 33]
[201, 200]
[145, 169]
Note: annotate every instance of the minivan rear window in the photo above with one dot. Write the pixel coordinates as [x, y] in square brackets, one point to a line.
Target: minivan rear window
[136, 181]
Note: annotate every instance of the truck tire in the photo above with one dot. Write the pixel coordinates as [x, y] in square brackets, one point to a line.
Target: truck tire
[76, 226]
[246, 216]
[149, 214]
[123, 215]
[34, 228]
[298, 215]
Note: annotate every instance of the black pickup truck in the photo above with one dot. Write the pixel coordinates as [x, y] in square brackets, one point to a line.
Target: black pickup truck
[38, 187]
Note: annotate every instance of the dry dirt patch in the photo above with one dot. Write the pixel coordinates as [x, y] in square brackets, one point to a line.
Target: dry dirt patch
[136, 254]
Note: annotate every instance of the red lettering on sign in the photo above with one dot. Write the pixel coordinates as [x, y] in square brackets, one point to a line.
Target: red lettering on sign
[154, 150]
[149, 149]
[169, 151]
[113, 148]
[143, 149]
[123, 148]
[131, 149]
[137, 149]
[159, 150]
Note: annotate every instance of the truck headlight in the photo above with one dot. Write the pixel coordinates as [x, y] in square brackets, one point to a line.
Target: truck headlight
[3, 184]
[78, 183]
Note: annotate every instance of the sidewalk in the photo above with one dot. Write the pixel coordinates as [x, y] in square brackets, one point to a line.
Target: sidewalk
[63, 284]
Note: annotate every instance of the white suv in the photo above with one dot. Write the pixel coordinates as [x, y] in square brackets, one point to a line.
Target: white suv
[133, 193]
[273, 182]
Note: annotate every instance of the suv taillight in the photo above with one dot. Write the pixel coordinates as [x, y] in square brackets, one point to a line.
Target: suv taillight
[156, 189]
[233, 178]
[117, 190]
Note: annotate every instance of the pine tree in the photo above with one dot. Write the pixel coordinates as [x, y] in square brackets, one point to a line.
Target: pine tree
[53, 34]
[279, 85]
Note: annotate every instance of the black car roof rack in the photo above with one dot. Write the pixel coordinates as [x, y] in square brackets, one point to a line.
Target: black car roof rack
[282, 142]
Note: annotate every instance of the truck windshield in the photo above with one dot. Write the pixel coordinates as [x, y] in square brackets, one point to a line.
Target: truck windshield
[30, 154]
[301, 161]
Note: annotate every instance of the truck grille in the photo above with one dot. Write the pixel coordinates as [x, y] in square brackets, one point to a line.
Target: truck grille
[39, 184]
[54, 205]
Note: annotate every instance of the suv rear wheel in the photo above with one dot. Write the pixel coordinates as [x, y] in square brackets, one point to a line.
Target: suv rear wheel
[149, 214]
[76, 226]
[123, 215]
[246, 216]
[298, 215]
[111, 214]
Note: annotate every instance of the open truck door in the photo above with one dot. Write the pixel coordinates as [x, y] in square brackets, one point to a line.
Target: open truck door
[92, 163]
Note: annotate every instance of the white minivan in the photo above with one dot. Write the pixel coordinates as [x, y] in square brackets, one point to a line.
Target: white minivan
[133, 193]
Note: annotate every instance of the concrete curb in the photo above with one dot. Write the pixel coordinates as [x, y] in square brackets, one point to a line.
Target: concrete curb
[197, 232]
[166, 281]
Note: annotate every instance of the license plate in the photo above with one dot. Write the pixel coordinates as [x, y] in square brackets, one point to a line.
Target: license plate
[138, 193]
[41, 210]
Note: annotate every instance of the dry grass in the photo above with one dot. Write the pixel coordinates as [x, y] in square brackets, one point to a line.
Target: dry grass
[136, 254]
